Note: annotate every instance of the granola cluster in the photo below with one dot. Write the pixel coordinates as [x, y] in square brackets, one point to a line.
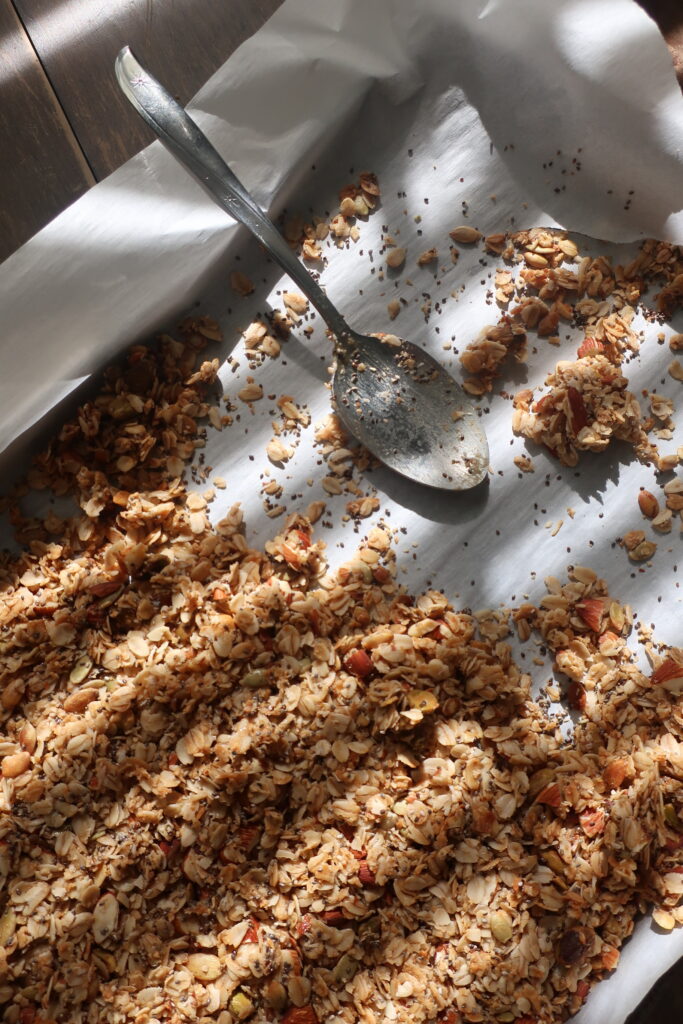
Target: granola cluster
[235, 786]
[587, 403]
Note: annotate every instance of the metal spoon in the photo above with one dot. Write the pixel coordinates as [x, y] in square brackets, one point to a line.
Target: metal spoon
[396, 400]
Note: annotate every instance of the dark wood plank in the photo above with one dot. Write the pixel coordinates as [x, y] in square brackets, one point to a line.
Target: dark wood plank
[669, 17]
[42, 168]
[182, 42]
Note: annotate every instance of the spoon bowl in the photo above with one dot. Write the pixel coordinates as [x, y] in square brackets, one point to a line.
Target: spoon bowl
[401, 404]
[394, 398]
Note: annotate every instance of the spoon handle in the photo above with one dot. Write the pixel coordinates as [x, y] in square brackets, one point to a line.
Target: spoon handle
[188, 144]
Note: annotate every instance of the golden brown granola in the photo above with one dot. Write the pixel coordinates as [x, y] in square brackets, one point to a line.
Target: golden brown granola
[235, 786]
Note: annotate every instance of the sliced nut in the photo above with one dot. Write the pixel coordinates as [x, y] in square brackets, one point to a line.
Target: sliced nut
[641, 552]
[662, 522]
[296, 302]
[632, 539]
[663, 919]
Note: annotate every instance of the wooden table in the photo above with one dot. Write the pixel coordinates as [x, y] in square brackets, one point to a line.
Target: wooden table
[64, 125]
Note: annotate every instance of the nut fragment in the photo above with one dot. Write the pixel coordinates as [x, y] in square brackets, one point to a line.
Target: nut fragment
[240, 283]
[396, 257]
[643, 551]
[14, 765]
[428, 256]
[663, 919]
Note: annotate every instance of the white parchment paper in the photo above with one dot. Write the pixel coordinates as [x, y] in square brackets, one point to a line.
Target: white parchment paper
[502, 115]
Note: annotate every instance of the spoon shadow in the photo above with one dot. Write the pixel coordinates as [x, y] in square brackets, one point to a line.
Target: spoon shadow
[432, 503]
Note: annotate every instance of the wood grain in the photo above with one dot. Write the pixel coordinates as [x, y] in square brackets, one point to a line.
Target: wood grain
[182, 42]
[42, 168]
[668, 14]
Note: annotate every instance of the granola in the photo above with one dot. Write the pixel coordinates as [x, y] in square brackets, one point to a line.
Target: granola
[236, 786]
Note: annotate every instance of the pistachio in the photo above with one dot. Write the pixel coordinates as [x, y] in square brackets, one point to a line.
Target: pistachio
[241, 1006]
[345, 969]
[255, 680]
[275, 994]
[670, 816]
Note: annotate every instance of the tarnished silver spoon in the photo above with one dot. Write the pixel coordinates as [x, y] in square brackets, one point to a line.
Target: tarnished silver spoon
[395, 399]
